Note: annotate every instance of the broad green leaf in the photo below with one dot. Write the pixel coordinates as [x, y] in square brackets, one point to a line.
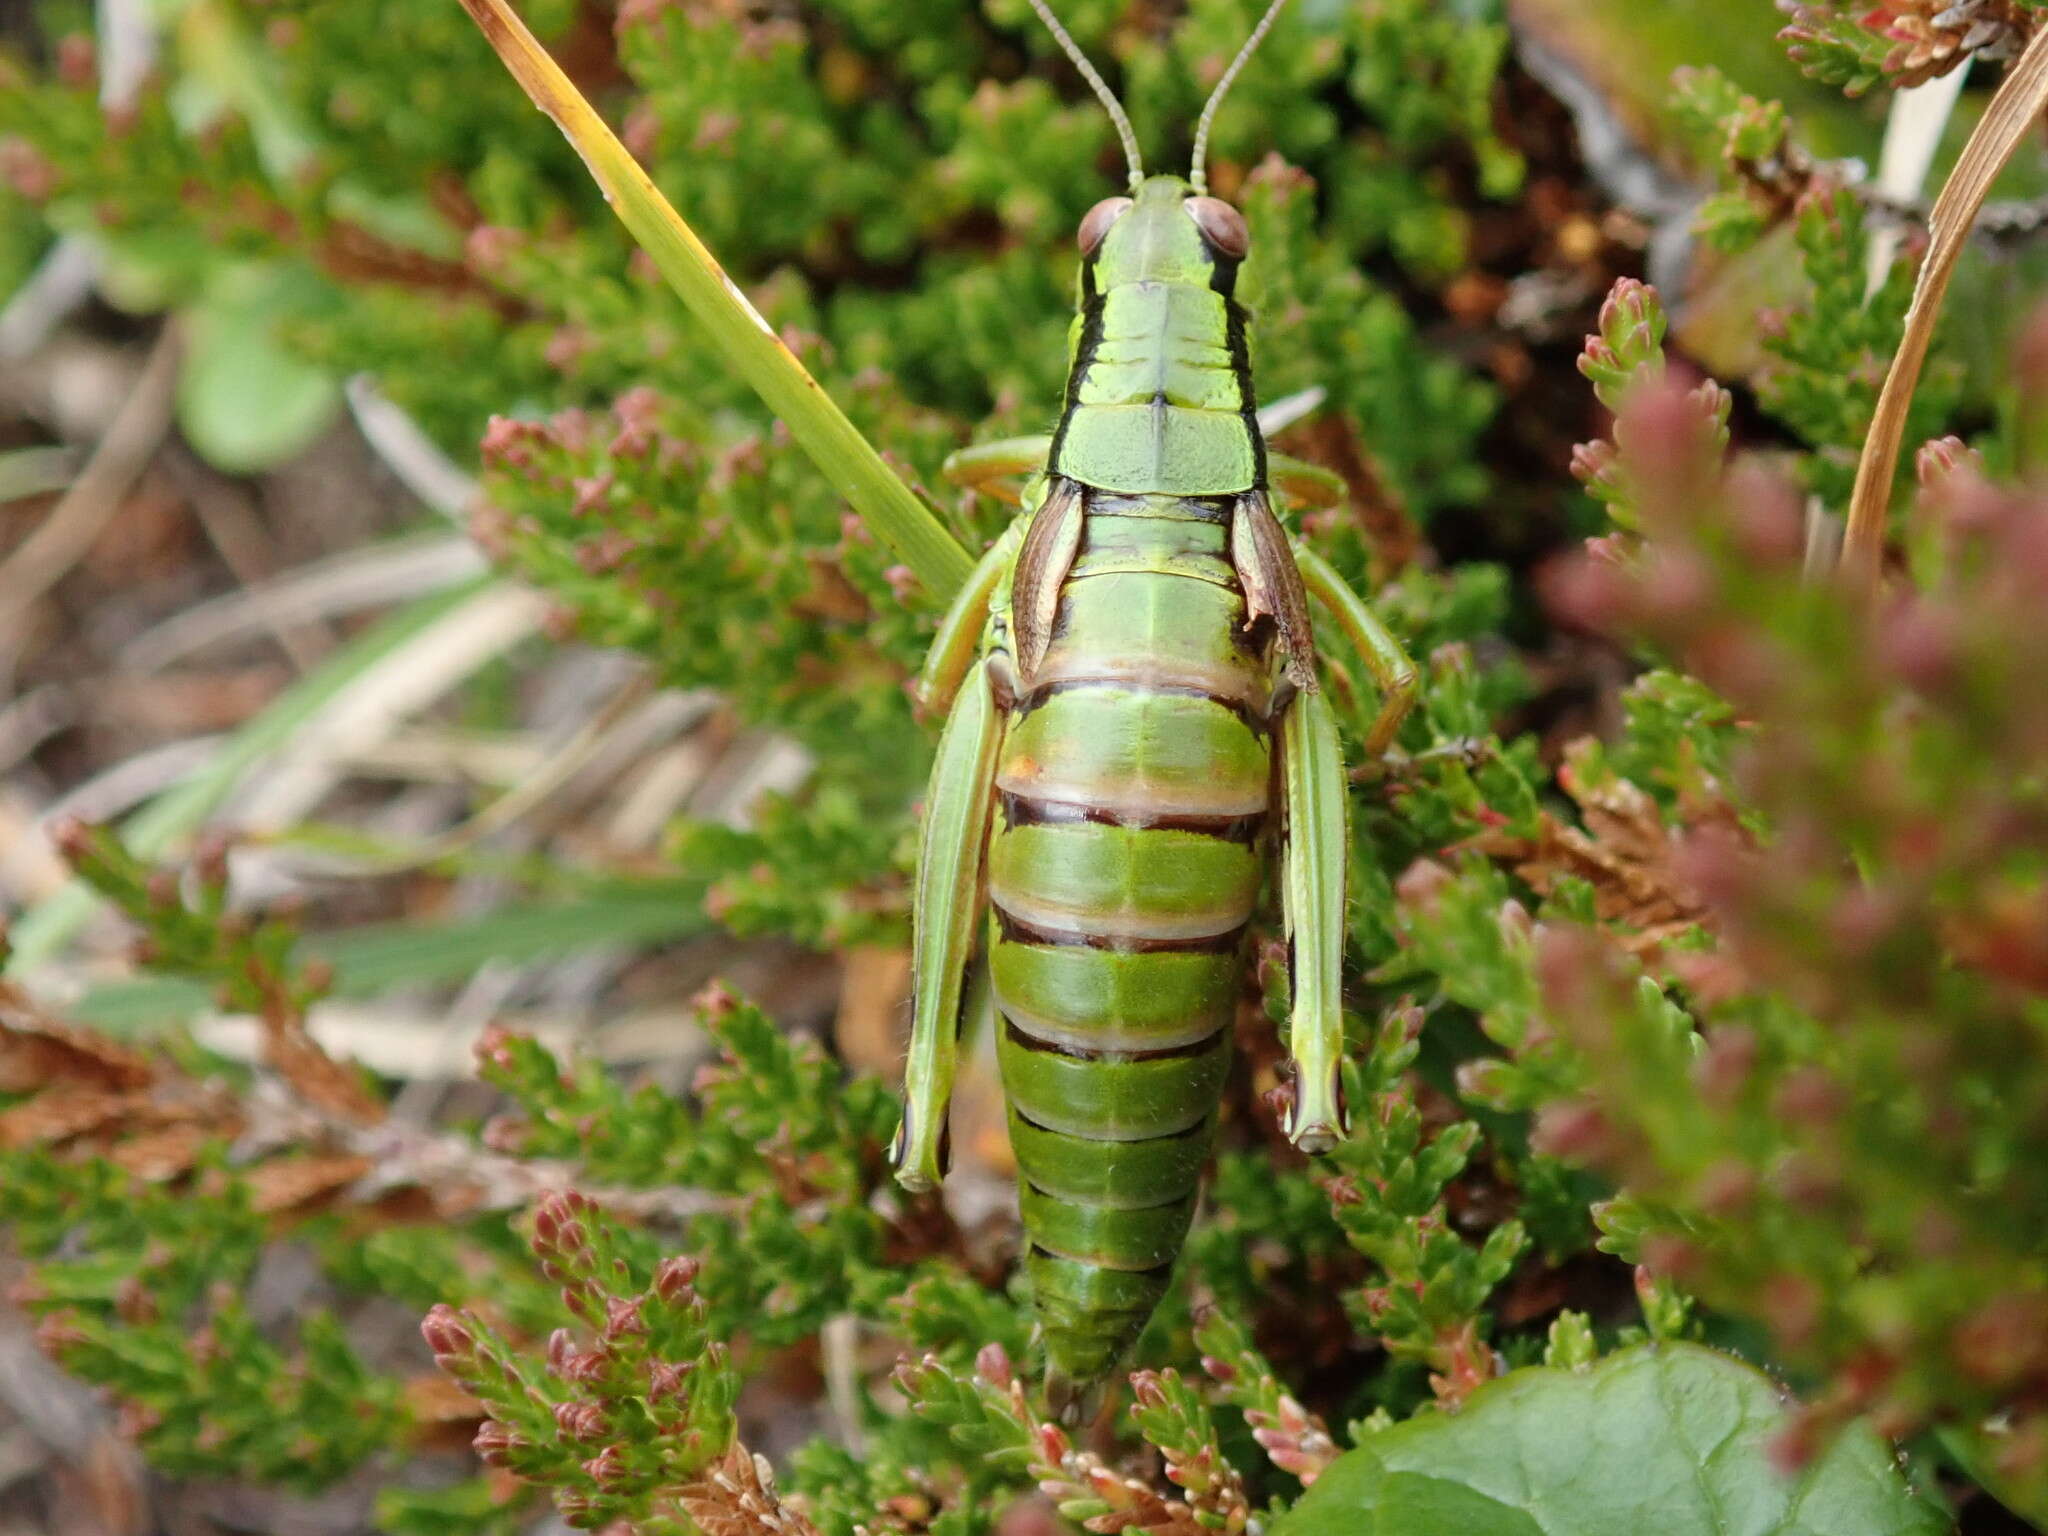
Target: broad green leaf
[756, 353]
[1660, 1440]
[244, 401]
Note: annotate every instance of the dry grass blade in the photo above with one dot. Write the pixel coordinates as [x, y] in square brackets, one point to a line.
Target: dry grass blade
[341, 584]
[407, 451]
[488, 624]
[2013, 111]
[68, 532]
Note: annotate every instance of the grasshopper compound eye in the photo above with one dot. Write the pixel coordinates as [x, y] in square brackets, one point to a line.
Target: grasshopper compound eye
[1221, 225]
[1095, 223]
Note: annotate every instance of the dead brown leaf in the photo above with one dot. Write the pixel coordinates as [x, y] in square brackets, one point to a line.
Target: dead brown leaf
[737, 1497]
[1625, 850]
[37, 1050]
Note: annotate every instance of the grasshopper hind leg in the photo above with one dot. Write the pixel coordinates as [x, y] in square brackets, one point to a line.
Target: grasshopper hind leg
[1317, 839]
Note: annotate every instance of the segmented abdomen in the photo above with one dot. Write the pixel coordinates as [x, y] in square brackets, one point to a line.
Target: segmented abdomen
[1123, 866]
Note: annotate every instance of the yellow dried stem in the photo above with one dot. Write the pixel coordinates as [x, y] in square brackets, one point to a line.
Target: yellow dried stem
[2013, 111]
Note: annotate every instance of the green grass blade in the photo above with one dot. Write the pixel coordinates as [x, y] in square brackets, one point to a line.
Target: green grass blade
[756, 353]
[49, 925]
[377, 957]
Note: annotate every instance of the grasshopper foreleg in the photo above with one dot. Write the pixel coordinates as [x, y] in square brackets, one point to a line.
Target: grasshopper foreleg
[947, 906]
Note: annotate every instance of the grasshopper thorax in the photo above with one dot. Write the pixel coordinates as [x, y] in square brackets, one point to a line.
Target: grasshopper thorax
[1166, 232]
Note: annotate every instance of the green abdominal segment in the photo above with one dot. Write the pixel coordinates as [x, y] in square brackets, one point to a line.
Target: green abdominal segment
[1123, 864]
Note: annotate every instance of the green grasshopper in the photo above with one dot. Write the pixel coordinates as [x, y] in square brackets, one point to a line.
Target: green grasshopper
[1128, 679]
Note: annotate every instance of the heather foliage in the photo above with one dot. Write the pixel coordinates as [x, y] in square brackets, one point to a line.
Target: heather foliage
[1698, 928]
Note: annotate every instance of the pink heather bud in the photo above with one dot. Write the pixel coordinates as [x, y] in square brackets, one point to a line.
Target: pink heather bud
[1766, 517]
[1862, 918]
[1515, 922]
[77, 61]
[1918, 641]
[1723, 1068]
[495, 1443]
[506, 1134]
[992, 1365]
[2004, 1341]
[631, 442]
[1487, 1081]
[1586, 592]
[488, 246]
[607, 1468]
[1146, 1389]
[1593, 461]
[641, 133]
[1676, 585]
[1942, 457]
[210, 856]
[561, 1351]
[446, 1336]
[1725, 1189]
[25, 168]
[72, 836]
[494, 1046]
[508, 440]
[2030, 356]
[1421, 883]
[555, 1220]
[586, 1366]
[1808, 1183]
[1670, 1257]
[1716, 863]
[1053, 1445]
[60, 1331]
[666, 1381]
[1791, 1305]
[1630, 313]
[566, 347]
[902, 582]
[674, 1280]
[134, 1303]
[1279, 1100]
[580, 1421]
[622, 1318]
[639, 409]
[715, 1002]
[1809, 1096]
[1575, 1132]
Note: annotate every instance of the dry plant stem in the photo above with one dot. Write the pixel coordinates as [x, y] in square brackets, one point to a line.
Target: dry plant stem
[536, 788]
[86, 509]
[2013, 111]
[237, 535]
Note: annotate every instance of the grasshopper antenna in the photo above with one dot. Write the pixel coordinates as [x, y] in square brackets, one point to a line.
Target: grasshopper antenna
[1098, 85]
[1198, 176]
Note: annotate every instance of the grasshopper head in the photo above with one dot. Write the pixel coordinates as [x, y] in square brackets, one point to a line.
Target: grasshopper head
[1165, 233]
